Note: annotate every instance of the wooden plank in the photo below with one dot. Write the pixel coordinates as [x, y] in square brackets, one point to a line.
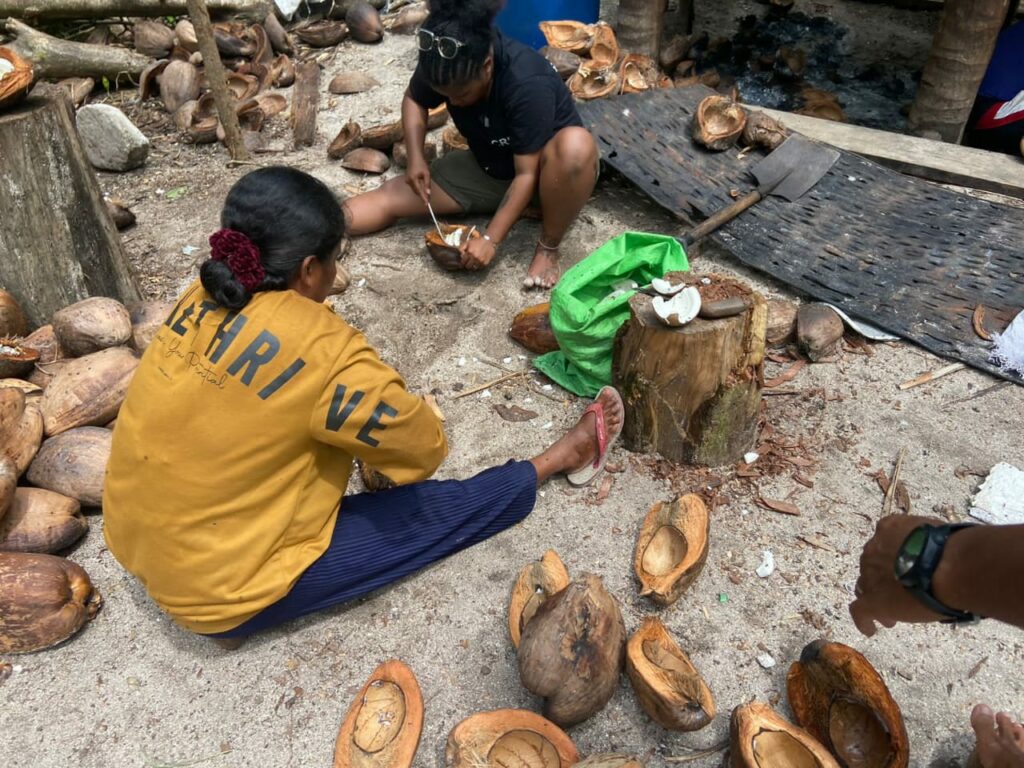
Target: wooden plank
[924, 158]
[305, 103]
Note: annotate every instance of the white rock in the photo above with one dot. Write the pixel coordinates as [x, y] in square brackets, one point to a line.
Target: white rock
[751, 457]
[1000, 500]
[765, 660]
[111, 141]
[767, 566]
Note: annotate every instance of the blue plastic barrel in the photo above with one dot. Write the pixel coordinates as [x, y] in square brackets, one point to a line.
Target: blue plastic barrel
[519, 18]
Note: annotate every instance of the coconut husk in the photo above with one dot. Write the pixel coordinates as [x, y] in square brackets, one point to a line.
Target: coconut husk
[152, 38]
[352, 82]
[448, 257]
[383, 726]
[147, 318]
[672, 548]
[200, 120]
[843, 702]
[119, 211]
[821, 104]
[566, 63]
[604, 52]
[45, 341]
[264, 52]
[638, 73]
[21, 428]
[271, 104]
[16, 77]
[282, 71]
[279, 38]
[364, 22]
[185, 36]
[407, 20]
[781, 322]
[719, 122]
[16, 359]
[608, 760]
[44, 600]
[41, 521]
[91, 325]
[366, 160]
[73, 463]
[571, 36]
[13, 321]
[763, 131]
[400, 154]
[453, 141]
[32, 392]
[674, 51]
[8, 484]
[537, 582]
[761, 738]
[572, 650]
[503, 736]
[532, 329]
[78, 88]
[179, 82]
[437, 117]
[149, 84]
[668, 686]
[819, 331]
[42, 375]
[383, 137]
[87, 391]
[234, 41]
[261, 72]
[373, 481]
[593, 84]
[350, 137]
[242, 87]
[322, 34]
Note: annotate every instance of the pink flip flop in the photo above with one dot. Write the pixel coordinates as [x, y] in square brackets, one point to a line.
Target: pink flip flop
[605, 440]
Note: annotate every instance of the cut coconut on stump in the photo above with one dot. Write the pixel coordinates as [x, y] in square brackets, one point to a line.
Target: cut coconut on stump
[672, 548]
[59, 245]
[74, 464]
[692, 394]
[41, 521]
[496, 738]
[536, 583]
[761, 738]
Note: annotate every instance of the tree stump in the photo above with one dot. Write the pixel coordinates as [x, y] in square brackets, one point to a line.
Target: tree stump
[693, 394]
[58, 243]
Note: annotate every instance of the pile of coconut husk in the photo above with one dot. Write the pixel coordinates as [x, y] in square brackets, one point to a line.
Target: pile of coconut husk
[376, 149]
[61, 387]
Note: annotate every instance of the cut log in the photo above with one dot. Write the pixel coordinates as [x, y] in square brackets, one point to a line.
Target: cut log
[305, 103]
[59, 245]
[640, 26]
[54, 58]
[102, 9]
[692, 394]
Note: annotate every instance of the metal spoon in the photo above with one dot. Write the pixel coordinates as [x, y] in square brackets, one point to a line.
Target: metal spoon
[431, 209]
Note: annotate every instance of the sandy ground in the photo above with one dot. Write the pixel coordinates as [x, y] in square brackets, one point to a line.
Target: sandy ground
[134, 690]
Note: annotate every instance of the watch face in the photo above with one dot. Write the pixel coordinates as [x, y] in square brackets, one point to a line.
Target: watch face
[910, 552]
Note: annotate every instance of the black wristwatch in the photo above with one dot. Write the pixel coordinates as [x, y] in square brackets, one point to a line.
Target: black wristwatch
[916, 563]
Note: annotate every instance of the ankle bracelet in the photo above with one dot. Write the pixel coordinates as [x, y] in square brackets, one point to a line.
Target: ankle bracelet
[541, 244]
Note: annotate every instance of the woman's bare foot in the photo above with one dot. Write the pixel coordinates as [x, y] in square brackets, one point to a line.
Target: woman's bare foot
[544, 271]
[578, 447]
[1000, 740]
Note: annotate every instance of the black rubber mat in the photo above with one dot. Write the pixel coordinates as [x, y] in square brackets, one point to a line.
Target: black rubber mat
[909, 256]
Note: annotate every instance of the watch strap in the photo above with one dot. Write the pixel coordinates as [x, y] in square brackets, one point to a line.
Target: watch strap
[919, 579]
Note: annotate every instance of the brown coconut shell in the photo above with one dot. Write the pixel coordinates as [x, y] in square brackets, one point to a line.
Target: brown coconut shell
[279, 38]
[532, 329]
[271, 104]
[179, 82]
[821, 104]
[44, 600]
[147, 318]
[566, 63]
[781, 322]
[45, 341]
[202, 120]
[509, 737]
[88, 391]
[149, 84]
[21, 428]
[16, 359]
[537, 582]
[119, 212]
[91, 325]
[383, 137]
[638, 73]
[364, 22]
[407, 20]
[185, 36]
[819, 331]
[761, 738]
[604, 52]
[608, 760]
[453, 141]
[843, 702]
[366, 160]
[593, 84]
[448, 257]
[350, 137]
[400, 154]
[13, 321]
[322, 34]
[152, 38]
[79, 88]
[373, 481]
[352, 82]
[763, 131]
[8, 484]
[719, 122]
[264, 53]
[242, 87]
[233, 40]
[282, 71]
[383, 726]
[572, 36]
[74, 464]
[16, 77]
[672, 548]
[668, 686]
[572, 650]
[32, 392]
[41, 521]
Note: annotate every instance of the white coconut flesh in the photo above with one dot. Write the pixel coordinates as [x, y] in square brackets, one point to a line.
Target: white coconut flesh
[6, 68]
[666, 287]
[679, 309]
[454, 239]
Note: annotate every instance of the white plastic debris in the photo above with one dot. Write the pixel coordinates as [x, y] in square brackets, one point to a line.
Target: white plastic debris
[549, 425]
[1000, 499]
[750, 458]
[528, 400]
[462, 362]
[485, 394]
[767, 566]
[361, 283]
[507, 360]
[287, 7]
[1009, 351]
[547, 387]
[188, 250]
[705, 281]
[765, 660]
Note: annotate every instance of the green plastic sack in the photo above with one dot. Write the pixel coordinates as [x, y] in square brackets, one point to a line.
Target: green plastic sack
[585, 321]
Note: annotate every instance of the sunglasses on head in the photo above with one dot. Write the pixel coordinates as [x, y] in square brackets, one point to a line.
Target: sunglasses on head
[448, 47]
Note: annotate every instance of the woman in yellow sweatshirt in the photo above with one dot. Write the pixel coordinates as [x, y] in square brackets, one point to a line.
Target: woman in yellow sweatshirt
[234, 446]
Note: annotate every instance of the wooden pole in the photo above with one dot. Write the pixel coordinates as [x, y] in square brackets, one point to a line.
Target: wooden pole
[200, 18]
[306, 103]
[960, 54]
[104, 9]
[640, 26]
[55, 58]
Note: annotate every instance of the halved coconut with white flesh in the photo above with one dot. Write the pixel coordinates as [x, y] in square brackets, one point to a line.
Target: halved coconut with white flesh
[383, 726]
[16, 359]
[447, 252]
[536, 583]
[666, 287]
[668, 686]
[672, 548]
[761, 738]
[509, 737]
[41, 521]
[679, 309]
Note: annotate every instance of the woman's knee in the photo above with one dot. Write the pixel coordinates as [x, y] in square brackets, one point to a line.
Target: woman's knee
[574, 150]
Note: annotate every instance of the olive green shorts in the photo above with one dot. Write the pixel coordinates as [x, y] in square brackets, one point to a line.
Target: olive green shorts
[460, 175]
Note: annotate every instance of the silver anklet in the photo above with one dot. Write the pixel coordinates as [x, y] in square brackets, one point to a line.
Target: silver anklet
[541, 244]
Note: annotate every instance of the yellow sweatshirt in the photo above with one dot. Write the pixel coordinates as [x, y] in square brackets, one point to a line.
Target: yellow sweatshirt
[234, 447]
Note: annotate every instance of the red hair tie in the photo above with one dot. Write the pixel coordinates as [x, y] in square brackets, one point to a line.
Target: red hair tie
[240, 254]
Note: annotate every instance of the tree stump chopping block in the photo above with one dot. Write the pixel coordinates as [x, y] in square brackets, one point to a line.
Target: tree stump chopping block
[58, 244]
[693, 394]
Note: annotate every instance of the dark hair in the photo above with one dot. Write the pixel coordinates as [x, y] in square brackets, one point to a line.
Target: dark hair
[288, 215]
[471, 22]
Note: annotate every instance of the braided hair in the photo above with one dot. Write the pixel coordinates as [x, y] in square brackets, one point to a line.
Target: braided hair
[471, 22]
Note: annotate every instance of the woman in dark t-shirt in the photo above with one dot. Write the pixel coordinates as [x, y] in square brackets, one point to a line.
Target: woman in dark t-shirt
[526, 140]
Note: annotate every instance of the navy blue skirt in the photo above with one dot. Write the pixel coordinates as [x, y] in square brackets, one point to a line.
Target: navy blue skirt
[382, 537]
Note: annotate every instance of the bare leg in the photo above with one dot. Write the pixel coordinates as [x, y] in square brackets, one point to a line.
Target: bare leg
[568, 173]
[393, 200]
[1000, 740]
[578, 447]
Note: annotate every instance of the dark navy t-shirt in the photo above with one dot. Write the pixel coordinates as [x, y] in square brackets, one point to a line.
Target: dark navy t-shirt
[528, 104]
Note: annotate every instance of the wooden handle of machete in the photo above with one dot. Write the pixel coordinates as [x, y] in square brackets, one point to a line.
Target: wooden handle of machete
[723, 217]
